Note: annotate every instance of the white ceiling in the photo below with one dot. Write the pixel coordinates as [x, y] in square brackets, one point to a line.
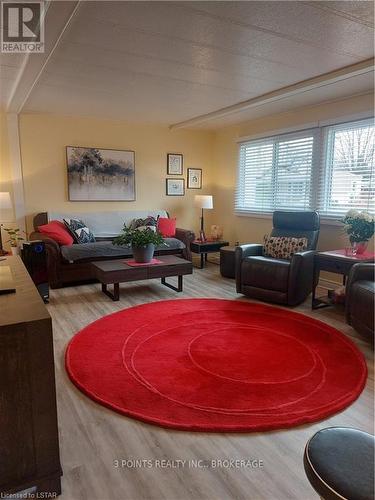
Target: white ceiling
[167, 62]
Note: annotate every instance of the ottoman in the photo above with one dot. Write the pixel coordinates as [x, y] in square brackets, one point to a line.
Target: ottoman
[227, 262]
[339, 463]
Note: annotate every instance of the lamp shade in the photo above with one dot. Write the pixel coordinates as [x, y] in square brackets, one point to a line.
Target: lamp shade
[203, 201]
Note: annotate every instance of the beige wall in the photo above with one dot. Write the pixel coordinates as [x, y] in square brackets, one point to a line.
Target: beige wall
[43, 142]
[44, 138]
[252, 229]
[5, 164]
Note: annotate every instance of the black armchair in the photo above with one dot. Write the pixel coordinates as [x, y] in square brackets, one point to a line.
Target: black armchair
[360, 295]
[278, 280]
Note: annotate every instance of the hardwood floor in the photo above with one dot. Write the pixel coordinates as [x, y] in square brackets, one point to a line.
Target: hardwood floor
[92, 438]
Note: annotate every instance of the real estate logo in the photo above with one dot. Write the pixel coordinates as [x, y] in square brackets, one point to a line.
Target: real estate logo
[22, 27]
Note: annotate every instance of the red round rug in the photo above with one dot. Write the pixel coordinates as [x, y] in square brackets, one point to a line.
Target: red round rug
[216, 365]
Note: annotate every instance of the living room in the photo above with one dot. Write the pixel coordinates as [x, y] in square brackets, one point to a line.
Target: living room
[217, 134]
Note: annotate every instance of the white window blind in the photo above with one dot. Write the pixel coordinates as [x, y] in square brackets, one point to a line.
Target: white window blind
[349, 169]
[329, 169]
[276, 173]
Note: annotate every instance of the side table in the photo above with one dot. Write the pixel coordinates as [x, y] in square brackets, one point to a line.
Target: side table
[205, 247]
[334, 261]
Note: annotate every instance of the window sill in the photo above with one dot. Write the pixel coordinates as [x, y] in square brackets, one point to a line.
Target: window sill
[325, 221]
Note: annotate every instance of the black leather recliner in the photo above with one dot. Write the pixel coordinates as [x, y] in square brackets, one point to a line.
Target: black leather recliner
[360, 295]
[278, 280]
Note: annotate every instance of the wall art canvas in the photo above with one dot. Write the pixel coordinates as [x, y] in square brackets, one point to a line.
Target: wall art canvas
[100, 174]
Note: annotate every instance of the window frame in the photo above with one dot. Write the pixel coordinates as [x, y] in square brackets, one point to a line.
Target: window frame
[319, 164]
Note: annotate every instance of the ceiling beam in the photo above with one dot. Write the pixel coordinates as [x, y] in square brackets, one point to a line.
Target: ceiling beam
[58, 17]
[283, 93]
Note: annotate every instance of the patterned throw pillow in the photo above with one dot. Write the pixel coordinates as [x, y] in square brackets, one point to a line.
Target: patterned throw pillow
[80, 232]
[283, 247]
[148, 222]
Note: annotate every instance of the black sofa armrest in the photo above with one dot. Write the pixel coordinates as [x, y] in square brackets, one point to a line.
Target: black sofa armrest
[359, 272]
[187, 237]
[241, 253]
[300, 276]
[53, 257]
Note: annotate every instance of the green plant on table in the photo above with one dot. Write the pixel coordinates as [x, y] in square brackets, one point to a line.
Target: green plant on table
[14, 235]
[359, 226]
[139, 237]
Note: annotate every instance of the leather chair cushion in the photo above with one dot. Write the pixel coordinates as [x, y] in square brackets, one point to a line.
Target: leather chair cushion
[292, 220]
[297, 225]
[266, 273]
[339, 463]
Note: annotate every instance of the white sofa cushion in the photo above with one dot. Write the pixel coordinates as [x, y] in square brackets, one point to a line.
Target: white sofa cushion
[106, 224]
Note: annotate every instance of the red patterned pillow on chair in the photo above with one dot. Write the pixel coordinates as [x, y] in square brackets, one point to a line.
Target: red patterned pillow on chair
[283, 247]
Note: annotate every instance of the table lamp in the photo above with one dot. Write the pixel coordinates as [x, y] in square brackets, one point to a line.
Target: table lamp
[204, 201]
[5, 204]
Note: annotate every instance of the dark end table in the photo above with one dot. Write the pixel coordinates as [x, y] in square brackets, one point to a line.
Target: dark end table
[203, 248]
[334, 261]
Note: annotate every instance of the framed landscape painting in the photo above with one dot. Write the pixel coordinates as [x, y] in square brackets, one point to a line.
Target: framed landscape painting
[100, 174]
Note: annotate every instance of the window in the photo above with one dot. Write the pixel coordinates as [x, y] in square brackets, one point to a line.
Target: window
[330, 169]
[349, 169]
[276, 173]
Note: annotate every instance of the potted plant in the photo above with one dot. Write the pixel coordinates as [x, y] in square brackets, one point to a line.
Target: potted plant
[142, 242]
[14, 238]
[359, 226]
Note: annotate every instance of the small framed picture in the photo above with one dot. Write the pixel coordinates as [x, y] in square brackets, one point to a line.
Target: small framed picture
[194, 178]
[175, 187]
[175, 163]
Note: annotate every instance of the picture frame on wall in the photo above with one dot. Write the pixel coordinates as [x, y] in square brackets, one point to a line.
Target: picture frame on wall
[194, 178]
[175, 164]
[97, 174]
[175, 187]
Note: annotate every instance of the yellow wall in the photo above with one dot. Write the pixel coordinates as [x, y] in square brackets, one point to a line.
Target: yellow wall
[43, 142]
[44, 138]
[5, 164]
[252, 229]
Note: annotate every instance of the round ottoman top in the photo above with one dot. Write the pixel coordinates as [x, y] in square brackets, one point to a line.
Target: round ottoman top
[339, 462]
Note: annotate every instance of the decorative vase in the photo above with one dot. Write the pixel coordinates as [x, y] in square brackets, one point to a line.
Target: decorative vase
[359, 247]
[15, 250]
[144, 254]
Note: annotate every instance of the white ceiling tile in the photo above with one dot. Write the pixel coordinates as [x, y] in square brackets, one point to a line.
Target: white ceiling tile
[167, 62]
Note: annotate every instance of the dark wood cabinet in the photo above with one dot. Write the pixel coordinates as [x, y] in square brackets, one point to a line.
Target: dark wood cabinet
[29, 444]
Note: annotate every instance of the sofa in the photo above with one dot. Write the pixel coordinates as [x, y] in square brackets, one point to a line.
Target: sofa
[360, 296]
[72, 264]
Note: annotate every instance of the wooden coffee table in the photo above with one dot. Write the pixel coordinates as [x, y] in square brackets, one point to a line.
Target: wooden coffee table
[118, 271]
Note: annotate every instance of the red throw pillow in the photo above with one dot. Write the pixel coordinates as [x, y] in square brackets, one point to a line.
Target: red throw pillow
[57, 231]
[167, 227]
